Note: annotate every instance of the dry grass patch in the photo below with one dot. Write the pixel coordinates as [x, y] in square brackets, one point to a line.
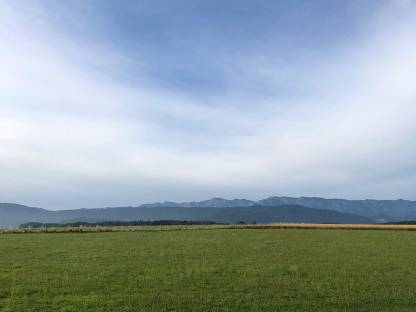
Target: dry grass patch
[403, 227]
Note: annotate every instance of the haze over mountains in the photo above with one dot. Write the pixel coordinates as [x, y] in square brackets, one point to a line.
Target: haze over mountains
[271, 209]
[377, 210]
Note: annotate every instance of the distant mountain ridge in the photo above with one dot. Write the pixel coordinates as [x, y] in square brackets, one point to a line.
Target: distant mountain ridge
[377, 210]
[14, 215]
[271, 209]
[213, 202]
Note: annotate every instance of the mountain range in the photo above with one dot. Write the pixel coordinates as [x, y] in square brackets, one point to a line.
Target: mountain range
[271, 209]
[377, 210]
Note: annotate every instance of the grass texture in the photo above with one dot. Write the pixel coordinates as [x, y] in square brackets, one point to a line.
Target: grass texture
[200, 269]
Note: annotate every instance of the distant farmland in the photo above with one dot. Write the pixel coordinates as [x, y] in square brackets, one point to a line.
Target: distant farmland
[210, 268]
[182, 225]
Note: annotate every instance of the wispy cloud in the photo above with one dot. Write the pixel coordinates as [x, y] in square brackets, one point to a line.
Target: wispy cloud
[87, 124]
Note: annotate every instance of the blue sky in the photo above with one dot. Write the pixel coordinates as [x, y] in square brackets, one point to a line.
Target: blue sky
[193, 44]
[119, 103]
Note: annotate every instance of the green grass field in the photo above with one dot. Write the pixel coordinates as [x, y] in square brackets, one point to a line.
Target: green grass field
[209, 270]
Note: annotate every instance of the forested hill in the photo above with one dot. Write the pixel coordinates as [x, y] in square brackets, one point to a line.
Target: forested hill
[12, 215]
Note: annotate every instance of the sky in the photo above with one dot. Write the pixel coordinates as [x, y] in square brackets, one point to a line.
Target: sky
[119, 103]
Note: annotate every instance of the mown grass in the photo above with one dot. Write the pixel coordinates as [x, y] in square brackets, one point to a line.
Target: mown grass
[209, 270]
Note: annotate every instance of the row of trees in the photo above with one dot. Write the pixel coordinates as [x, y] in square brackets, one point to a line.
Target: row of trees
[36, 225]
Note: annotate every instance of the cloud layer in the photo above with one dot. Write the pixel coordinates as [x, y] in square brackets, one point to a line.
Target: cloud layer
[86, 121]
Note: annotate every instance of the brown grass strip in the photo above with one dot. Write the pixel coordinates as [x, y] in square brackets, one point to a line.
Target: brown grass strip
[397, 227]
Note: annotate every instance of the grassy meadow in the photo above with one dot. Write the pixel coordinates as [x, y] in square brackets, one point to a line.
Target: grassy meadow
[209, 269]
